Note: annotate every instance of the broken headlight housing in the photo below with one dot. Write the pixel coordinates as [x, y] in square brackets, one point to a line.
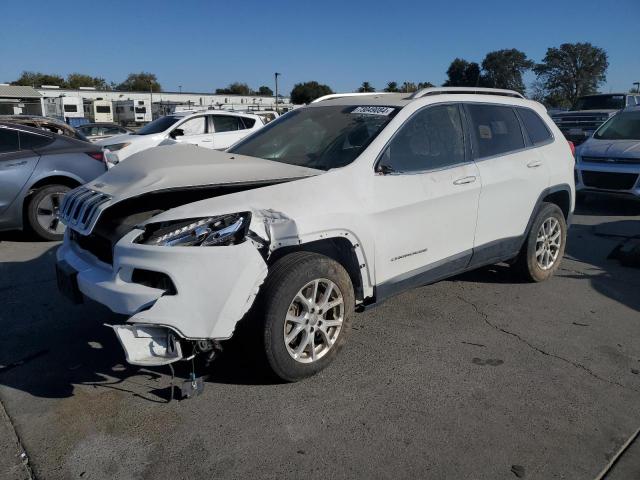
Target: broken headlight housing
[198, 232]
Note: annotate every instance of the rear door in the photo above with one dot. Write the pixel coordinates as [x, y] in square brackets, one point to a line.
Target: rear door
[425, 201]
[228, 129]
[16, 164]
[513, 174]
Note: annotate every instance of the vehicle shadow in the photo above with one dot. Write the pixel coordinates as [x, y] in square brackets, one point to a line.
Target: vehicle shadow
[592, 246]
[49, 346]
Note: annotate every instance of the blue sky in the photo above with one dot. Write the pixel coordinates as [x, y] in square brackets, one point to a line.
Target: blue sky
[202, 45]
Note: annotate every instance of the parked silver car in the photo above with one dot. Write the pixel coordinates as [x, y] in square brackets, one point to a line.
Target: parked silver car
[609, 161]
[37, 168]
[100, 131]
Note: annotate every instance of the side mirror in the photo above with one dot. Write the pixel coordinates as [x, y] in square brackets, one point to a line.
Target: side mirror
[176, 132]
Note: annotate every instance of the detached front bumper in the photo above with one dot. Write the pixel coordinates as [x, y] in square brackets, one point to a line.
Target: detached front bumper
[213, 286]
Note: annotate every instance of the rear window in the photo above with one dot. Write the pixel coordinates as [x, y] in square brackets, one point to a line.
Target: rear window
[249, 122]
[223, 123]
[496, 130]
[8, 140]
[103, 109]
[536, 128]
[29, 141]
[70, 108]
[141, 110]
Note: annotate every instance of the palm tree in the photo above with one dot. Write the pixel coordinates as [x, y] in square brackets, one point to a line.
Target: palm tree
[391, 87]
[366, 87]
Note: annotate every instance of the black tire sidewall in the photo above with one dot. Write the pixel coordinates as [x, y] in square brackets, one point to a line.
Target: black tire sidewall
[32, 214]
[279, 294]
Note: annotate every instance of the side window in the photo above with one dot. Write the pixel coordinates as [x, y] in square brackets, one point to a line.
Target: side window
[29, 141]
[496, 129]
[110, 131]
[431, 139]
[535, 126]
[223, 123]
[8, 140]
[248, 122]
[195, 126]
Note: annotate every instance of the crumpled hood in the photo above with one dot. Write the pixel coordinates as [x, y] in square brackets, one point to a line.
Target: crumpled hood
[610, 148]
[180, 166]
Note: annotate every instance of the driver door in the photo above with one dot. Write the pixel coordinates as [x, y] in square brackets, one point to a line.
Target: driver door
[195, 130]
[425, 201]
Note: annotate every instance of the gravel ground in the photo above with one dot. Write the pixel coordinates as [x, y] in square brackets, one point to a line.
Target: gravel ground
[476, 377]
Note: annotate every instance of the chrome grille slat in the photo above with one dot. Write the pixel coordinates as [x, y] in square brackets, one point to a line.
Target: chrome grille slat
[82, 207]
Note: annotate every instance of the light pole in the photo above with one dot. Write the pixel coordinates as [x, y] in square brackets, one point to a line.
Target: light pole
[180, 87]
[637, 84]
[277, 75]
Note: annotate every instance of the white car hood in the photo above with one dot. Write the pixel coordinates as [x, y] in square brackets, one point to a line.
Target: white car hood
[123, 138]
[180, 166]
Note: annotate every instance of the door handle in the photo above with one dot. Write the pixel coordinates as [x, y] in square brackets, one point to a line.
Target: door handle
[534, 163]
[464, 180]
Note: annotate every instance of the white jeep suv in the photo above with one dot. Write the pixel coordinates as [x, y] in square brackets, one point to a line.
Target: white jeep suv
[331, 208]
[217, 129]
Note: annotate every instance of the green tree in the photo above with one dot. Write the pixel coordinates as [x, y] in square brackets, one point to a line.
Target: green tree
[266, 91]
[37, 79]
[140, 82]
[391, 87]
[408, 87]
[306, 92]
[366, 87]
[422, 85]
[572, 70]
[463, 74]
[77, 80]
[235, 88]
[504, 69]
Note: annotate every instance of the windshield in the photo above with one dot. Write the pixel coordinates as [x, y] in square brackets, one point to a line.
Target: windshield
[158, 125]
[601, 102]
[318, 137]
[623, 126]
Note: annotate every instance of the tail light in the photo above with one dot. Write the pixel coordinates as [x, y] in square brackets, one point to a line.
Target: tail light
[97, 156]
[572, 147]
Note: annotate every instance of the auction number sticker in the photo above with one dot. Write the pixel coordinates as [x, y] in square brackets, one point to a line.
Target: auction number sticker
[374, 110]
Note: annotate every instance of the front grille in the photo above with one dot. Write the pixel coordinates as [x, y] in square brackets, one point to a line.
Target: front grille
[97, 245]
[616, 160]
[609, 180]
[81, 207]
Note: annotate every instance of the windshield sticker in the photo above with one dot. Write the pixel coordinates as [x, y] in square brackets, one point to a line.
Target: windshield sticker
[386, 111]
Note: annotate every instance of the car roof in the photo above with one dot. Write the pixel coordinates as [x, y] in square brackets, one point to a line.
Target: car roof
[212, 112]
[28, 129]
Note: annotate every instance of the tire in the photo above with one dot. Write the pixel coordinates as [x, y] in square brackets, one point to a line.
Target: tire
[42, 211]
[302, 272]
[532, 264]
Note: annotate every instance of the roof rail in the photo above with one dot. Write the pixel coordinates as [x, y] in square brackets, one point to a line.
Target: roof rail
[425, 92]
[340, 95]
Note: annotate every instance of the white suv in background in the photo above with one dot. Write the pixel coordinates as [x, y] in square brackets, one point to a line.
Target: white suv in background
[332, 207]
[217, 129]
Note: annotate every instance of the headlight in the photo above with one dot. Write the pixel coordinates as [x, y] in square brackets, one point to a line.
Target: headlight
[116, 146]
[204, 232]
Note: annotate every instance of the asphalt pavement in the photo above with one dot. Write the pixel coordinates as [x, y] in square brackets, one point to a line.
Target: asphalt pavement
[480, 377]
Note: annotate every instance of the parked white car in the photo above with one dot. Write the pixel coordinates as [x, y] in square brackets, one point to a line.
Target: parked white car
[217, 129]
[332, 207]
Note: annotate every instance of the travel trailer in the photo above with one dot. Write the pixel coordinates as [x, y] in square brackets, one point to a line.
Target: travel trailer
[99, 111]
[129, 112]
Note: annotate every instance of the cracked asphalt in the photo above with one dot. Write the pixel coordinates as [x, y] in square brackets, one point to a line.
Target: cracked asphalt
[476, 377]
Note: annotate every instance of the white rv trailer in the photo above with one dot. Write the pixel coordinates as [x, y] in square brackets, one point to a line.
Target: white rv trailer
[129, 112]
[72, 107]
[101, 111]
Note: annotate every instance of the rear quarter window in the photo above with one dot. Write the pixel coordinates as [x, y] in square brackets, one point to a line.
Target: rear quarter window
[496, 130]
[8, 140]
[535, 127]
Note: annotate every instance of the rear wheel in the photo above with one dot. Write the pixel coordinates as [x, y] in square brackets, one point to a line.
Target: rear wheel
[42, 212]
[544, 247]
[308, 305]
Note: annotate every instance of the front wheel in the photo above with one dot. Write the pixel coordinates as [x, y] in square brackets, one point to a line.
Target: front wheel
[544, 247]
[308, 305]
[42, 212]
